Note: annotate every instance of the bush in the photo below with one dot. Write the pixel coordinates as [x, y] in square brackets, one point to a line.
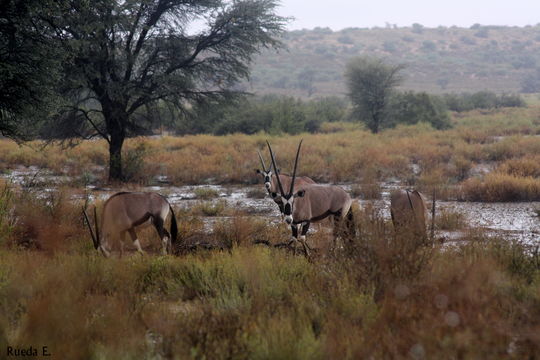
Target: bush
[209, 208]
[450, 220]
[412, 108]
[531, 83]
[501, 187]
[481, 100]
[206, 193]
[271, 114]
[133, 163]
[522, 167]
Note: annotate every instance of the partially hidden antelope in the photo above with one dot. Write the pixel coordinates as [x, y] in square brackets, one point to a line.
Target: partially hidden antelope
[408, 210]
[271, 185]
[123, 212]
[312, 203]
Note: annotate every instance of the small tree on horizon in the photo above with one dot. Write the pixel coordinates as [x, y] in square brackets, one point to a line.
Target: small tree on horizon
[370, 83]
[125, 58]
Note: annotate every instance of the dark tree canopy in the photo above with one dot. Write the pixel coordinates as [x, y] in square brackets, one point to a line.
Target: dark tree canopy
[28, 69]
[371, 82]
[126, 58]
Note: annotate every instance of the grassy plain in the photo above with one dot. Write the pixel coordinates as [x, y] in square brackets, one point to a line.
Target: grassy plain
[379, 296]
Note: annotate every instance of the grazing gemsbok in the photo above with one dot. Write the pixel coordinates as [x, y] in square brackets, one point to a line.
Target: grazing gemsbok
[124, 211]
[408, 210]
[270, 182]
[313, 203]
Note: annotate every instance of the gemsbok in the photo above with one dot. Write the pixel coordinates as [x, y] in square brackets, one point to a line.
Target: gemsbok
[270, 182]
[311, 203]
[124, 211]
[408, 210]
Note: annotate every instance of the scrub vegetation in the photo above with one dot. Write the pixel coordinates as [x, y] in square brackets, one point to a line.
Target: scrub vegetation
[379, 296]
[231, 290]
[488, 155]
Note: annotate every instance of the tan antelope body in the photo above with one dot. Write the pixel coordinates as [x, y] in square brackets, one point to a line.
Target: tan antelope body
[124, 211]
[312, 203]
[408, 210]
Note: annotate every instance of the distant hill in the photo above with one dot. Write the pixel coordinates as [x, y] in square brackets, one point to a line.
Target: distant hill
[443, 59]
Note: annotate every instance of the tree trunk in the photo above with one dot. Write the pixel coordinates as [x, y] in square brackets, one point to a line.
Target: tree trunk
[116, 119]
[375, 125]
[115, 158]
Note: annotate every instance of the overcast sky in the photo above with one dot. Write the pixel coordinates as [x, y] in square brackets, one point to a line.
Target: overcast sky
[339, 14]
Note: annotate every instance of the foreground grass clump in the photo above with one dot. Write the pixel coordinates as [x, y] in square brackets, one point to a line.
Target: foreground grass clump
[206, 193]
[380, 296]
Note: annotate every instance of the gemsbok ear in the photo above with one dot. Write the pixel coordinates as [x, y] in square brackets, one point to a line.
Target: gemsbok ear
[257, 171]
[301, 193]
[278, 171]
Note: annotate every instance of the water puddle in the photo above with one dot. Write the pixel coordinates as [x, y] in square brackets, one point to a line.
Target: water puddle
[514, 220]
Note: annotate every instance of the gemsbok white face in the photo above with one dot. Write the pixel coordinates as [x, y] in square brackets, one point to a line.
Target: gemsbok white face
[265, 173]
[124, 211]
[271, 185]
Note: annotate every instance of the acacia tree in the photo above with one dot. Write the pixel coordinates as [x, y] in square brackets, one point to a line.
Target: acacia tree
[370, 82]
[125, 57]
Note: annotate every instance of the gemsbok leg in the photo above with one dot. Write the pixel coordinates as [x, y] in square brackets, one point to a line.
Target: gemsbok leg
[294, 239]
[122, 242]
[303, 241]
[163, 234]
[135, 240]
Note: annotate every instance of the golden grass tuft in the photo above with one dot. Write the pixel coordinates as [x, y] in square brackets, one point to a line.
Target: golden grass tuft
[501, 187]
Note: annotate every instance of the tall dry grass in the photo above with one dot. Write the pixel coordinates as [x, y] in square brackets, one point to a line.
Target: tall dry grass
[343, 156]
[381, 295]
[496, 187]
[382, 298]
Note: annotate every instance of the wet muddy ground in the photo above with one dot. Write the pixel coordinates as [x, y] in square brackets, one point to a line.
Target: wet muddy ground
[513, 220]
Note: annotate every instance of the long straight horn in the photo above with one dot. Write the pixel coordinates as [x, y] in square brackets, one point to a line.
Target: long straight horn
[98, 240]
[295, 165]
[262, 160]
[432, 235]
[94, 240]
[275, 168]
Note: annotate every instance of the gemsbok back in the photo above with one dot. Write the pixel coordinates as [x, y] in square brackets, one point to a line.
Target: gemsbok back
[124, 211]
[312, 203]
[408, 210]
[271, 185]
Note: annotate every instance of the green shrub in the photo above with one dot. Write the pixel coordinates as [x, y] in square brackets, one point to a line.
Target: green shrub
[134, 161]
[481, 100]
[412, 108]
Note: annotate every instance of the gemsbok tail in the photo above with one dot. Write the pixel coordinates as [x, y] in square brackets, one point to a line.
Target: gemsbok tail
[174, 227]
[350, 225]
